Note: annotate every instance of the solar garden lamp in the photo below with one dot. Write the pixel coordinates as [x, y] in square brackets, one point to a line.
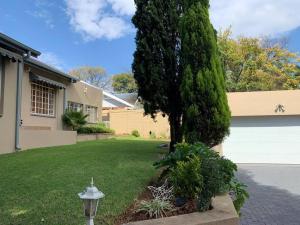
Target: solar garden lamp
[90, 197]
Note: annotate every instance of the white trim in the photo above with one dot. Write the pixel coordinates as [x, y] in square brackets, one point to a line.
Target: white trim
[93, 86]
[117, 99]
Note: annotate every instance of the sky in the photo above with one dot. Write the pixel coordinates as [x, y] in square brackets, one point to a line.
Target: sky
[74, 33]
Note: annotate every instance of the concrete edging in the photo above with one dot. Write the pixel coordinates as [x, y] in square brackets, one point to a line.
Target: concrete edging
[93, 137]
[223, 213]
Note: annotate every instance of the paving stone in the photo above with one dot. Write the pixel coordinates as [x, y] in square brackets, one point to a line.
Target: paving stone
[271, 202]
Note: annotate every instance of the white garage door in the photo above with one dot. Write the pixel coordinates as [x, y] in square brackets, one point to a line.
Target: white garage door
[264, 140]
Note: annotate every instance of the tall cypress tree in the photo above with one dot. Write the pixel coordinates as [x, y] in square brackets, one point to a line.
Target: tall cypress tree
[206, 115]
[156, 64]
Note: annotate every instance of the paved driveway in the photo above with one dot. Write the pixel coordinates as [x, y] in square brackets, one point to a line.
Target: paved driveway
[274, 194]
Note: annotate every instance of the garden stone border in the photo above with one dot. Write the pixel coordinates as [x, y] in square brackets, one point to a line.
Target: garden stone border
[223, 213]
[93, 137]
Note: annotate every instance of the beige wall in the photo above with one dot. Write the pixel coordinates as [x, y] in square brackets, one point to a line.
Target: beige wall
[86, 94]
[264, 103]
[7, 121]
[31, 121]
[125, 121]
[37, 139]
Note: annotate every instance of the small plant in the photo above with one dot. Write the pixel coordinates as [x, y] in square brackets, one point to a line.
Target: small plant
[155, 208]
[239, 194]
[164, 192]
[135, 133]
[186, 178]
[74, 119]
[152, 135]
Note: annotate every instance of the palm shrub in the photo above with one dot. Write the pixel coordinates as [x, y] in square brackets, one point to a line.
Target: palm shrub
[74, 119]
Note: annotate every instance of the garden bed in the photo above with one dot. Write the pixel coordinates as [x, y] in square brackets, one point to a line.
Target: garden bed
[131, 214]
[222, 213]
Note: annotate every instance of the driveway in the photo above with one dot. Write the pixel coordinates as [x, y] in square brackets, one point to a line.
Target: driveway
[274, 194]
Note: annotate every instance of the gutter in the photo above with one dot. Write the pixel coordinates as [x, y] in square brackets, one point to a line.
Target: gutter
[19, 103]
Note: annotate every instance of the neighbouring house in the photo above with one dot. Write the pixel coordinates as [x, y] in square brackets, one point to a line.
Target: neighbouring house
[265, 126]
[33, 98]
[111, 101]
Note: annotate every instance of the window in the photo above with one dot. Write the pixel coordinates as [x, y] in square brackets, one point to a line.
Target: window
[74, 106]
[2, 74]
[92, 114]
[42, 99]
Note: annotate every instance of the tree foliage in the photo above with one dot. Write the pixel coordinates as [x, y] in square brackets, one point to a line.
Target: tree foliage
[124, 83]
[93, 75]
[206, 115]
[257, 64]
[178, 71]
[156, 65]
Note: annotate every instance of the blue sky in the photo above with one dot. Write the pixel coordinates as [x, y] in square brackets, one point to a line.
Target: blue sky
[73, 33]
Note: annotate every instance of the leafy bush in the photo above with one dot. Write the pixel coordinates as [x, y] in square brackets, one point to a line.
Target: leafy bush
[186, 178]
[155, 208]
[94, 129]
[135, 133]
[240, 194]
[217, 172]
[74, 119]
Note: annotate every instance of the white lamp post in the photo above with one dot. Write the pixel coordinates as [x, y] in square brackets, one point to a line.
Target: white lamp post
[90, 199]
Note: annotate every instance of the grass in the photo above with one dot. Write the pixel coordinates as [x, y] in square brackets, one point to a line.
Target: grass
[40, 186]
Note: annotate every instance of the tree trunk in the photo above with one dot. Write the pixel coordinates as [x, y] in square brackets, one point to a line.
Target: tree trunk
[175, 130]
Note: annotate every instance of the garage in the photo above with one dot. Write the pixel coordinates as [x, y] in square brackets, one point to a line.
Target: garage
[264, 140]
[265, 128]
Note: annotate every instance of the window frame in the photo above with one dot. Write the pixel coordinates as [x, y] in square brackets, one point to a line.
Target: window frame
[95, 116]
[76, 105]
[2, 82]
[51, 93]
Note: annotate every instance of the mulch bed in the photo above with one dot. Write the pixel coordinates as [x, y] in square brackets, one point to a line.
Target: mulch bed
[130, 215]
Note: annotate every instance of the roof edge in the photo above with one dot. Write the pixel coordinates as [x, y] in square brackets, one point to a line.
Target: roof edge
[16, 44]
[41, 65]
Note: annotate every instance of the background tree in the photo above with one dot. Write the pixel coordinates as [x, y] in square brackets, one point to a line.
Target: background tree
[156, 66]
[93, 75]
[124, 83]
[206, 115]
[258, 64]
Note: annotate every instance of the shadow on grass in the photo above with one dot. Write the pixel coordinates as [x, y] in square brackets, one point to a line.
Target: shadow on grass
[268, 205]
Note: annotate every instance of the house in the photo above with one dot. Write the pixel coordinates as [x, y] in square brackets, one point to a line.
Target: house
[33, 98]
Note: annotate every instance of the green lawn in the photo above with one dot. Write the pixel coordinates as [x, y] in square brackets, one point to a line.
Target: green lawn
[40, 186]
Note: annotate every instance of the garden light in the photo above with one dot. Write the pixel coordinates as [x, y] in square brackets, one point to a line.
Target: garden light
[90, 198]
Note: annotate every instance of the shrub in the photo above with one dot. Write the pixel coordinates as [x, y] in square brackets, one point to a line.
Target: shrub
[217, 172]
[186, 178]
[240, 194]
[135, 133]
[94, 129]
[74, 119]
[155, 208]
